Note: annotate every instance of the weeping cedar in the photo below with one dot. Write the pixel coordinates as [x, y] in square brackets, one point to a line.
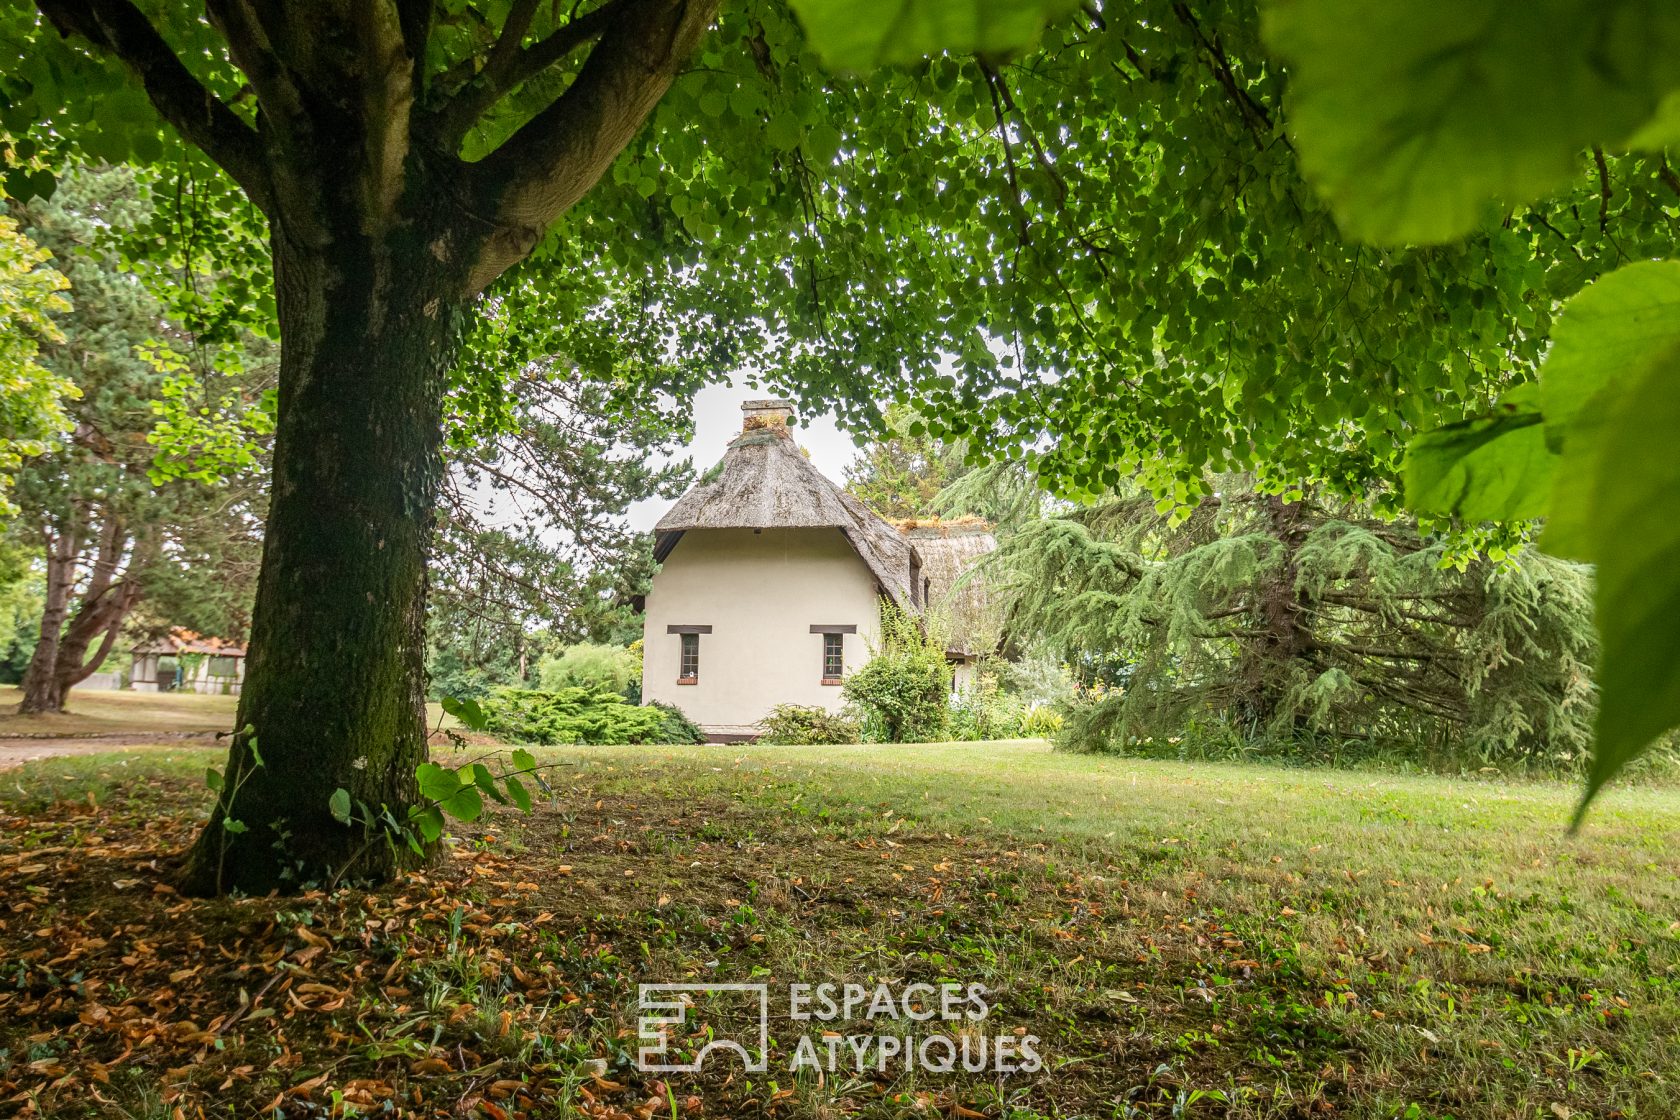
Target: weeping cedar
[1288, 622]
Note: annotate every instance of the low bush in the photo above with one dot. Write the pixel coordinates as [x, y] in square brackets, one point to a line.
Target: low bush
[984, 711]
[1094, 723]
[676, 728]
[796, 725]
[903, 691]
[596, 715]
[1040, 722]
[989, 708]
[588, 665]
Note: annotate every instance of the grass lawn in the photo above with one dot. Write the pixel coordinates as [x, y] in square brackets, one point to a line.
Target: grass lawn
[120, 712]
[1194, 940]
[95, 711]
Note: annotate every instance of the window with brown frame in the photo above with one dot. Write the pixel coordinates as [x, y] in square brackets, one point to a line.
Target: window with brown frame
[834, 658]
[688, 665]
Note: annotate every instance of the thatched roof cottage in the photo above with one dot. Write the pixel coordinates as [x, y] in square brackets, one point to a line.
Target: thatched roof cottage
[771, 582]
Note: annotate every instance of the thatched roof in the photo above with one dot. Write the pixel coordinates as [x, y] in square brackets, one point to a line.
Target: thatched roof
[957, 598]
[764, 481]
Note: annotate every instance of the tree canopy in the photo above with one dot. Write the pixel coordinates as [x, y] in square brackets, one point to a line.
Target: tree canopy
[1097, 246]
[1422, 125]
[31, 411]
[899, 475]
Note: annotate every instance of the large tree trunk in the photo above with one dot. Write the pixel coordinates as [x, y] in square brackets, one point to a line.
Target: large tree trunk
[40, 689]
[334, 692]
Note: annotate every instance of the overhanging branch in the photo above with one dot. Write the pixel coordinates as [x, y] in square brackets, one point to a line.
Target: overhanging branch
[551, 162]
[119, 28]
[511, 63]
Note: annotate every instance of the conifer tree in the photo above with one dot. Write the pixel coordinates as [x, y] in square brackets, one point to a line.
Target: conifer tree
[111, 526]
[1282, 620]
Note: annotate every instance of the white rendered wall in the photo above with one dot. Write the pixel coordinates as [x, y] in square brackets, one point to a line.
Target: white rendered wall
[760, 592]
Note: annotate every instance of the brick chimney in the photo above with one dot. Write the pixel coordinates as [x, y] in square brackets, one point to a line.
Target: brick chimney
[767, 413]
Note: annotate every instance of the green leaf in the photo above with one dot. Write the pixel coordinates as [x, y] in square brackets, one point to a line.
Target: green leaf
[339, 805]
[455, 796]
[1606, 334]
[437, 783]
[1411, 118]
[1494, 468]
[1606, 338]
[865, 34]
[1636, 504]
[468, 712]
[466, 805]
[524, 759]
[213, 778]
[521, 796]
[1570, 529]
[233, 826]
[783, 132]
[486, 782]
[429, 821]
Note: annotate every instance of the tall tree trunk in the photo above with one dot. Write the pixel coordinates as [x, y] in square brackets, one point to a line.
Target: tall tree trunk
[1284, 636]
[334, 691]
[40, 692]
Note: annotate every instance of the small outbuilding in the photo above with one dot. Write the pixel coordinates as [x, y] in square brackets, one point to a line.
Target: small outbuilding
[188, 662]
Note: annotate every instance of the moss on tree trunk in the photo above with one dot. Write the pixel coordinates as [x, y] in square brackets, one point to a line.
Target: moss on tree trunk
[335, 686]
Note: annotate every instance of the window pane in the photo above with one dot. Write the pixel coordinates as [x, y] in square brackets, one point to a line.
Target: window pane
[834, 657]
[689, 667]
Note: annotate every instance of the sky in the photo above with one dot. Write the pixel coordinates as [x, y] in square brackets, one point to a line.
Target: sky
[717, 420]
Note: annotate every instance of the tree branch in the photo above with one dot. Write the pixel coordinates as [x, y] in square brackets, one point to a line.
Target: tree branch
[118, 28]
[252, 50]
[511, 63]
[551, 162]
[415, 17]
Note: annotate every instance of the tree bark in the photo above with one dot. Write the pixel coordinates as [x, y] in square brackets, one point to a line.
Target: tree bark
[334, 692]
[100, 618]
[40, 693]
[381, 235]
[60, 661]
[1280, 608]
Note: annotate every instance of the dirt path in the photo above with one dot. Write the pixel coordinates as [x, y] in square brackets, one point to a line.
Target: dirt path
[16, 750]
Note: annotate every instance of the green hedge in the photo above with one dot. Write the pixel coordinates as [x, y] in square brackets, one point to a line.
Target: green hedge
[595, 715]
[797, 725]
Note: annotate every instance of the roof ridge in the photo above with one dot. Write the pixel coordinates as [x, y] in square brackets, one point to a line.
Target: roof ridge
[765, 481]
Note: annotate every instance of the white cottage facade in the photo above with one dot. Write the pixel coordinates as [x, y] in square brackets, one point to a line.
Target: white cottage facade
[770, 585]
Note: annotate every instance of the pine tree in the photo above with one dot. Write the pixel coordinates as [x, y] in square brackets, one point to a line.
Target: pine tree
[901, 473]
[112, 530]
[533, 547]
